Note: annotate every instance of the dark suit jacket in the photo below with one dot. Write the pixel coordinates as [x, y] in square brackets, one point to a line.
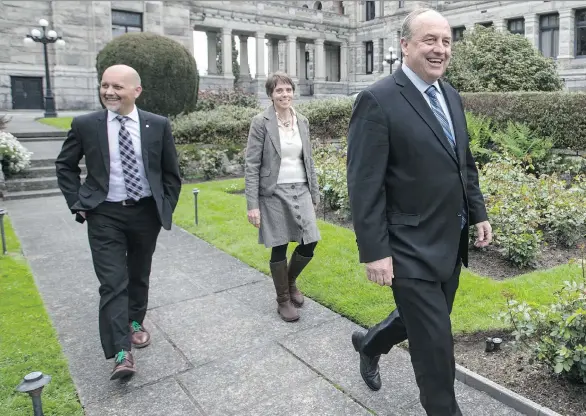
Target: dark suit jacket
[406, 184]
[88, 137]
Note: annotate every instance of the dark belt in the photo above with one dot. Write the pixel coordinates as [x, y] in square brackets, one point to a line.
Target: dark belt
[132, 202]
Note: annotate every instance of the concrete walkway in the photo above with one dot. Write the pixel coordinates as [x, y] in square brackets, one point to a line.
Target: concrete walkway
[219, 347]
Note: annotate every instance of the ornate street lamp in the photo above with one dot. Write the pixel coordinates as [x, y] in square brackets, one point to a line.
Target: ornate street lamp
[45, 37]
[390, 59]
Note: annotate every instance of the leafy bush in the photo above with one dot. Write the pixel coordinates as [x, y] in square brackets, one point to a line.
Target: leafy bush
[224, 126]
[330, 167]
[211, 162]
[526, 211]
[564, 212]
[227, 125]
[14, 156]
[210, 99]
[480, 131]
[167, 70]
[492, 60]
[513, 210]
[555, 333]
[328, 119]
[518, 141]
[557, 115]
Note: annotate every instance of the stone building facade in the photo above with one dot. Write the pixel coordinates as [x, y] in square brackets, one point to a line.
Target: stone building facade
[328, 47]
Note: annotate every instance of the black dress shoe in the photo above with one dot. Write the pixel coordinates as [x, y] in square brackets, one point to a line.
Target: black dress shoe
[368, 365]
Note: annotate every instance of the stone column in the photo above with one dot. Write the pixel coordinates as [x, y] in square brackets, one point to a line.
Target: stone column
[320, 61]
[244, 70]
[532, 29]
[212, 52]
[301, 73]
[567, 37]
[227, 53]
[260, 55]
[292, 56]
[273, 46]
[344, 62]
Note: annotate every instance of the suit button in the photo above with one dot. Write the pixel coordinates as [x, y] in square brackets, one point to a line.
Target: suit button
[296, 206]
[295, 197]
[299, 217]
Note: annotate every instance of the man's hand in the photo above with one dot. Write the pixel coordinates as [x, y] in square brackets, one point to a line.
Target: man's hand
[254, 217]
[381, 271]
[484, 234]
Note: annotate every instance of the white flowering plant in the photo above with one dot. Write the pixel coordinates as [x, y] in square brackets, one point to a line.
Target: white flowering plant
[15, 157]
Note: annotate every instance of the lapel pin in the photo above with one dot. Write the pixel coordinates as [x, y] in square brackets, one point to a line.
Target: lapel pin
[147, 126]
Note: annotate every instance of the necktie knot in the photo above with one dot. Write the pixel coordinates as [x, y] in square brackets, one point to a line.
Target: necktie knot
[121, 119]
[431, 91]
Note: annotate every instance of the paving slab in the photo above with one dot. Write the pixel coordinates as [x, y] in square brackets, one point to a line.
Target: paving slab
[219, 347]
[164, 398]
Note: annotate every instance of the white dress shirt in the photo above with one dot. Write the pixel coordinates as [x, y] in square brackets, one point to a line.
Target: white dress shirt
[292, 169]
[422, 86]
[117, 189]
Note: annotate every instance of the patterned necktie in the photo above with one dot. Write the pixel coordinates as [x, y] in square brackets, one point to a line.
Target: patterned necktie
[441, 117]
[439, 114]
[128, 159]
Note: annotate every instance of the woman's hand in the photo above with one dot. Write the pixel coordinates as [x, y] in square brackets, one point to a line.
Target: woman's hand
[254, 217]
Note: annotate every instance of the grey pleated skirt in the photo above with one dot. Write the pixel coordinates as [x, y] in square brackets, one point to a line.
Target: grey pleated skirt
[287, 216]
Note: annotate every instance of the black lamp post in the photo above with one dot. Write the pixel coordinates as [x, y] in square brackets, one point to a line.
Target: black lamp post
[45, 37]
[391, 58]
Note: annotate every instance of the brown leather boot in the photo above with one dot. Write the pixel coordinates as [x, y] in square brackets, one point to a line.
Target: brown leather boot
[280, 278]
[296, 266]
[123, 365]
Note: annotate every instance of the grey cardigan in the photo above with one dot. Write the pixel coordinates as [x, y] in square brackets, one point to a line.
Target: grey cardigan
[263, 157]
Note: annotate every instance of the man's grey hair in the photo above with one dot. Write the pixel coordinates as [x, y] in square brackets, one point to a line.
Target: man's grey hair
[406, 27]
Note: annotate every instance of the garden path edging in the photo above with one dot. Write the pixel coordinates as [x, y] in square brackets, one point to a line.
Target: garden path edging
[502, 394]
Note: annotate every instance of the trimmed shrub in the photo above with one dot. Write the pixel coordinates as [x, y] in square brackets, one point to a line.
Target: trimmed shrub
[557, 115]
[492, 60]
[328, 119]
[167, 70]
[210, 99]
[228, 125]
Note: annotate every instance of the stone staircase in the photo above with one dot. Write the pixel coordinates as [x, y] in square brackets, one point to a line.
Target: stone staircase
[40, 179]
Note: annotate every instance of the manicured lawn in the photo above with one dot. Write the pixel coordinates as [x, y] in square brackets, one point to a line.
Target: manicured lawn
[28, 341]
[336, 279]
[59, 122]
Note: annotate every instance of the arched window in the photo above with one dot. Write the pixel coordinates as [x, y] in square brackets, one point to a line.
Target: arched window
[305, 6]
[317, 5]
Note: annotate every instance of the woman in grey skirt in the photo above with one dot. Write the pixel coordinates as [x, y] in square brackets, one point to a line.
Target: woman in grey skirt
[282, 190]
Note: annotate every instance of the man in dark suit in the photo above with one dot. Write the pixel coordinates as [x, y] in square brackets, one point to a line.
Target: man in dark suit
[413, 188]
[131, 190]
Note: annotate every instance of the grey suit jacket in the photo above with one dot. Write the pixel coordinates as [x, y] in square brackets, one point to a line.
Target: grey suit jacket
[263, 157]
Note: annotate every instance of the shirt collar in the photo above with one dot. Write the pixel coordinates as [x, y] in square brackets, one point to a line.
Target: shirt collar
[133, 115]
[420, 84]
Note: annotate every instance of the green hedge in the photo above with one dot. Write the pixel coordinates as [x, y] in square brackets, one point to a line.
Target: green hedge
[557, 115]
[229, 124]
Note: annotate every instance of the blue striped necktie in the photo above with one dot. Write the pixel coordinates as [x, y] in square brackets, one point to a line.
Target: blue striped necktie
[441, 117]
[439, 114]
[128, 160]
